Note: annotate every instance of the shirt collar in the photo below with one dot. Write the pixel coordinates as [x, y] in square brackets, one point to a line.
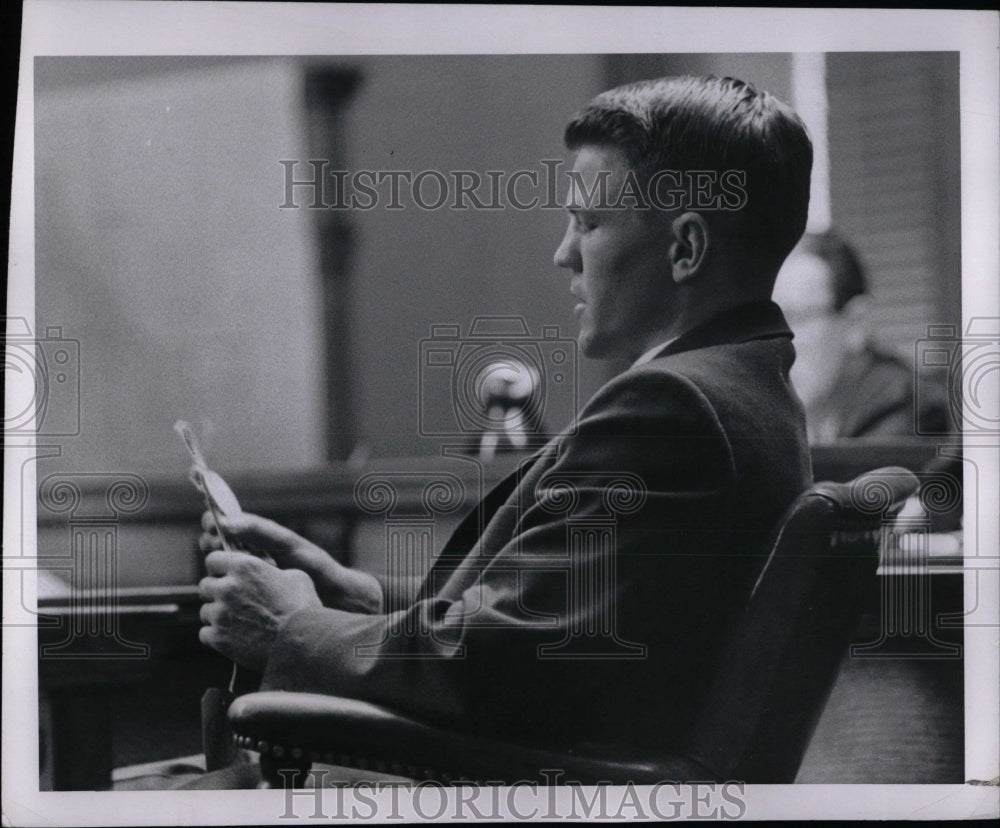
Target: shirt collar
[652, 352]
[755, 320]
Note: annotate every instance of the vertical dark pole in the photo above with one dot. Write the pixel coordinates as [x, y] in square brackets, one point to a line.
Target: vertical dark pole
[327, 93]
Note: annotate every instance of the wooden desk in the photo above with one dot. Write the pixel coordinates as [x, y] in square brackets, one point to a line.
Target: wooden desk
[116, 675]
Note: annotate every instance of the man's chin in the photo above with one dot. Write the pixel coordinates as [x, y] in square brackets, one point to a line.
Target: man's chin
[594, 348]
[585, 343]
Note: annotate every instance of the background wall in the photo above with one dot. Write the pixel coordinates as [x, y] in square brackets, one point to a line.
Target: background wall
[895, 193]
[765, 70]
[161, 246]
[414, 268]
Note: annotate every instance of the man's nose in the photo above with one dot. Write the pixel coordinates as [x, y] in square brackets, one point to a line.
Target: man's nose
[568, 254]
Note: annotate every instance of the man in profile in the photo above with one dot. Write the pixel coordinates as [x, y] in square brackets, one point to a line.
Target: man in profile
[851, 386]
[697, 449]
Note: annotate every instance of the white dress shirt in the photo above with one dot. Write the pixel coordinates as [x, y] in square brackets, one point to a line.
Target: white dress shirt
[652, 352]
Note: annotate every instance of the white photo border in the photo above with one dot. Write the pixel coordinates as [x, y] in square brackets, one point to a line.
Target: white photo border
[102, 27]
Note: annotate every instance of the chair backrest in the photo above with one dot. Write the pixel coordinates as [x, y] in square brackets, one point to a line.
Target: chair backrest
[777, 672]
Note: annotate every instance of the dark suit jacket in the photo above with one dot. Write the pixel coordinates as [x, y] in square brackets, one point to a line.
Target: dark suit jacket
[874, 398]
[584, 603]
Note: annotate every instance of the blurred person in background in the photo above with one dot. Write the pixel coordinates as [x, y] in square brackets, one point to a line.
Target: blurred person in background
[851, 386]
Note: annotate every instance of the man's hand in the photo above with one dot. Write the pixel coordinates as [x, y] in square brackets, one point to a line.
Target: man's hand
[246, 601]
[337, 586]
[262, 537]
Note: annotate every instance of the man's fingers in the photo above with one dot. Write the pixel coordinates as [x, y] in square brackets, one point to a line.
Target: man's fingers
[209, 636]
[232, 526]
[208, 521]
[221, 562]
[209, 541]
[262, 534]
[250, 531]
[208, 613]
[208, 589]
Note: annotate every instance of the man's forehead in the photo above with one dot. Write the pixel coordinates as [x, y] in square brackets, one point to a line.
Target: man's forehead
[804, 281]
[593, 165]
[592, 158]
[592, 161]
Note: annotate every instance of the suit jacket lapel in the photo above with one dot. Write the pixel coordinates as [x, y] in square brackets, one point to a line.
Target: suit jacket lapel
[469, 531]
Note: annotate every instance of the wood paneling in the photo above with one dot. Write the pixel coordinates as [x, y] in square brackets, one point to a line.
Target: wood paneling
[894, 173]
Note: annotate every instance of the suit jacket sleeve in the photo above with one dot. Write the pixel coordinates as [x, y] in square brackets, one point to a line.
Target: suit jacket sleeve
[649, 464]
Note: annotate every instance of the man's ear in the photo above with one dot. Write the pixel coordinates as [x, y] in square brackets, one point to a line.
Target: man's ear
[689, 247]
[856, 316]
[857, 307]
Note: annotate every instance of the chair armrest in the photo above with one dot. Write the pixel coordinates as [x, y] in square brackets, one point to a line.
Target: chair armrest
[299, 728]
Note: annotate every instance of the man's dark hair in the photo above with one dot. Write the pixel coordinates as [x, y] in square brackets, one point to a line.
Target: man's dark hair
[713, 124]
[847, 276]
